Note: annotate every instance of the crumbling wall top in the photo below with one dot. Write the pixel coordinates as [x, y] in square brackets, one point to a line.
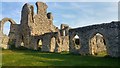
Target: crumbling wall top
[63, 26]
[113, 24]
[41, 8]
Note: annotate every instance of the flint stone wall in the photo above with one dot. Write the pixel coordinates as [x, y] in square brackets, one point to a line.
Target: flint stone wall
[108, 30]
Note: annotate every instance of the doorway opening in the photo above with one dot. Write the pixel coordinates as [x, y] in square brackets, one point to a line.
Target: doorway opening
[52, 44]
[98, 45]
[40, 43]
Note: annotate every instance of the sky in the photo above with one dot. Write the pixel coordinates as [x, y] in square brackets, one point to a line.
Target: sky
[75, 14]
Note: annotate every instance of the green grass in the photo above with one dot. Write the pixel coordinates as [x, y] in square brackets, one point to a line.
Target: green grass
[36, 58]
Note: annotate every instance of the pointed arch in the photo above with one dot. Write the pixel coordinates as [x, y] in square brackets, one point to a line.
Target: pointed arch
[97, 44]
[39, 44]
[76, 41]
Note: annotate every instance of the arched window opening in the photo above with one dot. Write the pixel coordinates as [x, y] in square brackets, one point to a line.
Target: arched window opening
[98, 45]
[22, 43]
[6, 28]
[40, 43]
[76, 41]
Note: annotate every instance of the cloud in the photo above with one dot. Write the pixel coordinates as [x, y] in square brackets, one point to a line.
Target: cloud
[78, 14]
[68, 16]
[55, 5]
[85, 8]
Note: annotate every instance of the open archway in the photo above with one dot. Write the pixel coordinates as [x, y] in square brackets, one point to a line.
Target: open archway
[76, 42]
[98, 45]
[39, 44]
[52, 44]
[5, 34]
[4, 20]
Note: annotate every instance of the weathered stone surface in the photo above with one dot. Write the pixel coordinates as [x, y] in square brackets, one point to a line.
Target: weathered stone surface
[97, 44]
[4, 40]
[109, 32]
[37, 32]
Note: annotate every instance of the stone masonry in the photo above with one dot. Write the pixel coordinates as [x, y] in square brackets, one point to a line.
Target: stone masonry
[37, 32]
[109, 31]
[34, 28]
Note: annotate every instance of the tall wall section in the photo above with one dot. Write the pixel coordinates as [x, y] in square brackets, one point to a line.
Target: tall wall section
[35, 24]
[42, 21]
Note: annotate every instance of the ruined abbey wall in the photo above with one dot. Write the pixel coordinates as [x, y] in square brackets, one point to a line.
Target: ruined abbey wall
[37, 32]
[5, 40]
[108, 30]
[38, 25]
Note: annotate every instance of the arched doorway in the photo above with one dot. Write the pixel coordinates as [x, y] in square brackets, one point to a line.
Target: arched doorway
[10, 42]
[52, 44]
[6, 38]
[5, 35]
[40, 43]
[76, 42]
[98, 45]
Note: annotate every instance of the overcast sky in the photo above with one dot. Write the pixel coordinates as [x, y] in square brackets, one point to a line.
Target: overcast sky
[75, 14]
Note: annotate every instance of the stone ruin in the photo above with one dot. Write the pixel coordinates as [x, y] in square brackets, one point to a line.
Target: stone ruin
[37, 32]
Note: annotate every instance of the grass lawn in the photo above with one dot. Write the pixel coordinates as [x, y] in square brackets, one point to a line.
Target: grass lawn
[36, 58]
